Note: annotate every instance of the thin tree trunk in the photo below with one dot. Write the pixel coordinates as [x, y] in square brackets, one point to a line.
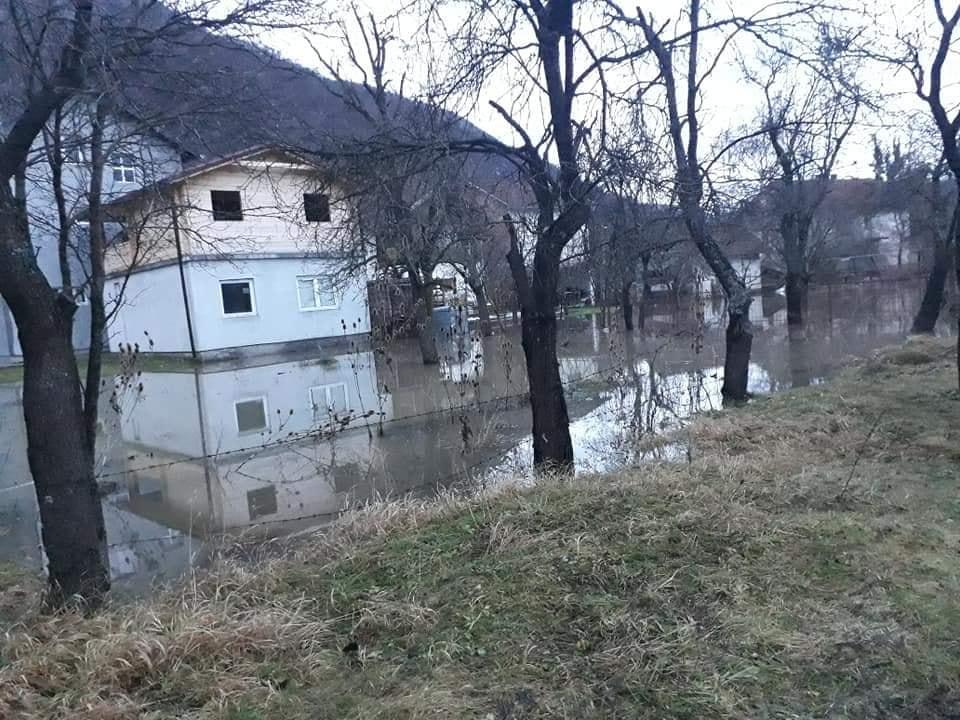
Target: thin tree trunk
[925, 321]
[60, 458]
[739, 335]
[98, 315]
[53, 142]
[423, 316]
[483, 306]
[627, 304]
[642, 299]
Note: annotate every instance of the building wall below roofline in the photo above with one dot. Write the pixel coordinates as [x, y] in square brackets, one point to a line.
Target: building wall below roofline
[152, 315]
[10, 351]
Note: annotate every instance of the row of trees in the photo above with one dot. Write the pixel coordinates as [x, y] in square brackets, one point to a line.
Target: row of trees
[610, 156]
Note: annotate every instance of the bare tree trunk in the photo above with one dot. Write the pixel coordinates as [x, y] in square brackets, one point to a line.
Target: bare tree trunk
[925, 321]
[98, 315]
[739, 335]
[796, 290]
[483, 306]
[627, 304]
[642, 299]
[60, 458]
[552, 445]
[53, 142]
[423, 316]
[483, 309]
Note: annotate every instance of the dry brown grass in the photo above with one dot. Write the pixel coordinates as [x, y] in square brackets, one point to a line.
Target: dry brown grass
[803, 564]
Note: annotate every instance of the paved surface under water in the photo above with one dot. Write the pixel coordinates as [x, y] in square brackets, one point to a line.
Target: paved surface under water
[275, 445]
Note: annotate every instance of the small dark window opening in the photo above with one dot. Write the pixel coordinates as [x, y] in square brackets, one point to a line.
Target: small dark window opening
[226, 205]
[237, 297]
[317, 207]
[262, 501]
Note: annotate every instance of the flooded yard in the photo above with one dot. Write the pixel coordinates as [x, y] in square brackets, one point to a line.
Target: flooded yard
[269, 446]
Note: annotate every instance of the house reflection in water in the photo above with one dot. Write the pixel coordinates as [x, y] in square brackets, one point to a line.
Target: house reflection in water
[222, 448]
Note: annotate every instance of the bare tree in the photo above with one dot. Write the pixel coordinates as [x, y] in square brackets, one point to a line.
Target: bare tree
[59, 53]
[538, 44]
[810, 107]
[684, 132]
[682, 95]
[928, 83]
[410, 209]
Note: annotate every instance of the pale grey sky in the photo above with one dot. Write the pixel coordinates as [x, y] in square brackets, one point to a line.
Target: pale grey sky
[728, 100]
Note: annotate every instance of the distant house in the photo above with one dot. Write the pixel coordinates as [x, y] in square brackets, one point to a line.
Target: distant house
[233, 254]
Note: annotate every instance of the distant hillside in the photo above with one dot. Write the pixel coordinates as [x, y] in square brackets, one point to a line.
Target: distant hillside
[215, 95]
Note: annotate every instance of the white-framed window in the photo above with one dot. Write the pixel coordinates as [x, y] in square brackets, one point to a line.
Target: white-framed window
[124, 166]
[251, 415]
[237, 298]
[329, 400]
[316, 292]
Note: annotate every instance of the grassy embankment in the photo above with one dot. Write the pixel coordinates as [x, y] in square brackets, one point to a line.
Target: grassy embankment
[804, 564]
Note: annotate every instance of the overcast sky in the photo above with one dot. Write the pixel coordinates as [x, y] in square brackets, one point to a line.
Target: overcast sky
[728, 100]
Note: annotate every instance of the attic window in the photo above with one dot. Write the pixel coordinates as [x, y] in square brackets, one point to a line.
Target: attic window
[124, 168]
[226, 205]
[316, 207]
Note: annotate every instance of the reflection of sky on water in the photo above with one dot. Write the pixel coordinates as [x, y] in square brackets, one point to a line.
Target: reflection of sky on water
[234, 447]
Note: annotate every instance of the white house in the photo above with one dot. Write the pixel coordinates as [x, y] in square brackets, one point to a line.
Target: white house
[233, 254]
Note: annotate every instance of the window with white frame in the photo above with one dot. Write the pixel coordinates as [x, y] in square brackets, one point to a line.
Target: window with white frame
[315, 292]
[124, 166]
[251, 415]
[237, 298]
[329, 400]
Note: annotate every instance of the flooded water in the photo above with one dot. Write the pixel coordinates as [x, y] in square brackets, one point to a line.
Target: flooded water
[275, 445]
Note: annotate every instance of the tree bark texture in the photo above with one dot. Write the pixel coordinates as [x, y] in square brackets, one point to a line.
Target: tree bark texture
[552, 445]
[423, 317]
[796, 289]
[58, 452]
[627, 305]
[925, 321]
[739, 334]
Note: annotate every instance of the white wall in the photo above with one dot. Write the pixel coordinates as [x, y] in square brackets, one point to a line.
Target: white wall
[278, 317]
[153, 304]
[304, 476]
[271, 190]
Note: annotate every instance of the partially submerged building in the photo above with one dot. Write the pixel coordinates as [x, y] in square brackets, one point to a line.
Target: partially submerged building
[233, 255]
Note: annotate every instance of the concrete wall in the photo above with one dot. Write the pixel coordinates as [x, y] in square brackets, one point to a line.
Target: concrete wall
[271, 190]
[151, 309]
[301, 479]
[153, 303]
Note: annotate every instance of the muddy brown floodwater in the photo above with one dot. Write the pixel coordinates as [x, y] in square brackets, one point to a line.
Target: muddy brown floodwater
[279, 444]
